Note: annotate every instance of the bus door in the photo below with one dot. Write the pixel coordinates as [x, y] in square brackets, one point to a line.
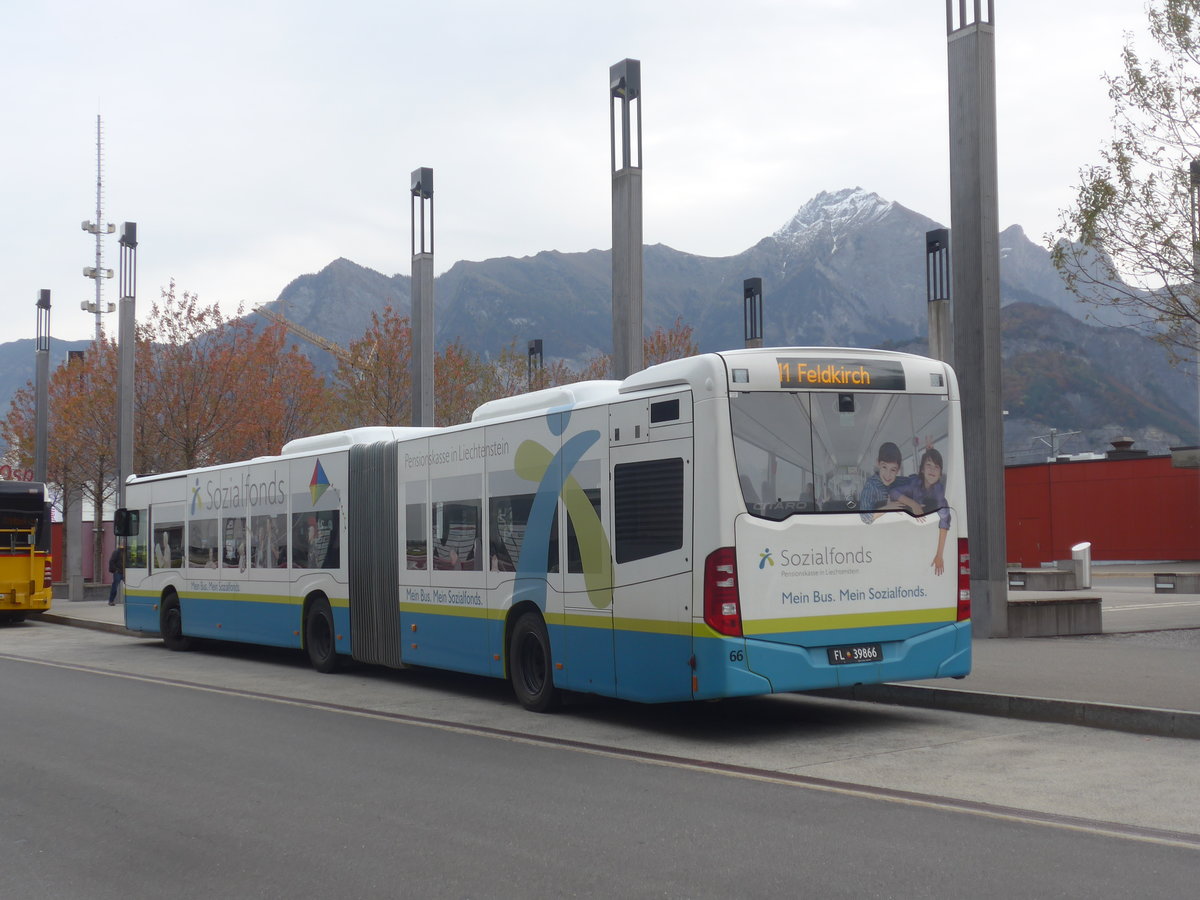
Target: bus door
[650, 450]
[446, 624]
[523, 556]
[264, 553]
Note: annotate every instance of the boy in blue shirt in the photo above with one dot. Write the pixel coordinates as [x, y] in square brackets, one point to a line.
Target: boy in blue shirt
[875, 491]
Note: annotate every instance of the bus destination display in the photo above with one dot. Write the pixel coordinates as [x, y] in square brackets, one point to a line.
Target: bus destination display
[840, 374]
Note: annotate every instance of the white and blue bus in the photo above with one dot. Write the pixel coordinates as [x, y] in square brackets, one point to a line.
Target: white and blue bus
[734, 523]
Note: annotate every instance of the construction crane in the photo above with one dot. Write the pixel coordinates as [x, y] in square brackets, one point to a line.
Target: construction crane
[339, 352]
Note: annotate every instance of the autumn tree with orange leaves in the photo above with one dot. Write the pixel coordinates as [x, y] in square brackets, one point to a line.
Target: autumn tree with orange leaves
[292, 399]
[461, 381]
[663, 344]
[207, 390]
[510, 374]
[211, 389]
[672, 343]
[372, 384]
[82, 454]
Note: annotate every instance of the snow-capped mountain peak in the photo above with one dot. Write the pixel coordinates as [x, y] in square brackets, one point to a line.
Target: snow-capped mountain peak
[836, 212]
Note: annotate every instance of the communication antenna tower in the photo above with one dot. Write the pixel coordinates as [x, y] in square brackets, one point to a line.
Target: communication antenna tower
[97, 272]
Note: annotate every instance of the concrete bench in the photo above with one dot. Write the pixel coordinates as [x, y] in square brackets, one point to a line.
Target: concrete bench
[1176, 583]
[1041, 580]
[1045, 616]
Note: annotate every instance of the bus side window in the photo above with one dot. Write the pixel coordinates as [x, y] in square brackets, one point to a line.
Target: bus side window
[268, 542]
[136, 555]
[647, 508]
[575, 560]
[508, 524]
[168, 546]
[202, 544]
[456, 535]
[233, 544]
[416, 543]
[315, 540]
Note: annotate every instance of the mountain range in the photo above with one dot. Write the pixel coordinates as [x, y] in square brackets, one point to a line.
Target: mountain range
[847, 270]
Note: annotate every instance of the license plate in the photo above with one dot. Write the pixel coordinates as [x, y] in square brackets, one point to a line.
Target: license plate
[854, 653]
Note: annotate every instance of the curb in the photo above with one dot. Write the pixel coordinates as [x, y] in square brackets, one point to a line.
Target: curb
[110, 627]
[1136, 719]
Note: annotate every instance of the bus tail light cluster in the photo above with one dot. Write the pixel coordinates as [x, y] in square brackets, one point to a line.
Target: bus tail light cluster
[722, 608]
[964, 581]
[47, 576]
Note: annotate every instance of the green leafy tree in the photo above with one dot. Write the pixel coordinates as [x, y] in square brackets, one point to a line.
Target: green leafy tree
[1128, 241]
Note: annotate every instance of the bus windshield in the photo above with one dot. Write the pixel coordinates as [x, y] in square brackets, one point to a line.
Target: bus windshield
[818, 452]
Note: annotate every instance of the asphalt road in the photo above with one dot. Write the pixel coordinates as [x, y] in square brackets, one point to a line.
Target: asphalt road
[1130, 604]
[233, 772]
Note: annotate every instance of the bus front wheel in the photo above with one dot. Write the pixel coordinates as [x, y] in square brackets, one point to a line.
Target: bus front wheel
[318, 636]
[529, 664]
[170, 624]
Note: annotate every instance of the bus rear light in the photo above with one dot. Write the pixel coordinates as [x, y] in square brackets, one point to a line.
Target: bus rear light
[722, 608]
[47, 576]
[964, 581]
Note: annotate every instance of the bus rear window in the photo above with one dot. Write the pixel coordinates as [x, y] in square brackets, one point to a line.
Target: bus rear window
[820, 452]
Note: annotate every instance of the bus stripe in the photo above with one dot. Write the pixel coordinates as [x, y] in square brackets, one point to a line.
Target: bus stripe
[850, 620]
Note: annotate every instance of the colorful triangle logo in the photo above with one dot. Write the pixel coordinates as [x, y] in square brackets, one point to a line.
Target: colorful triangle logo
[319, 484]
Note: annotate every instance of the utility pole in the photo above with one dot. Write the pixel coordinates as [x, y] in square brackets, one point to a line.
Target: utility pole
[97, 272]
[624, 90]
[422, 300]
[1193, 192]
[42, 369]
[975, 233]
[126, 353]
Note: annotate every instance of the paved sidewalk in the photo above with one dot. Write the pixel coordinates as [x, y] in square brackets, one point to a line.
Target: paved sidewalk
[1145, 679]
[1142, 674]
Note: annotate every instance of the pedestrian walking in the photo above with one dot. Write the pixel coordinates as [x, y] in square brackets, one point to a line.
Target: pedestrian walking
[116, 565]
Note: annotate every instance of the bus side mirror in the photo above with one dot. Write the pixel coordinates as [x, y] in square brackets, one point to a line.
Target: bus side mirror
[126, 522]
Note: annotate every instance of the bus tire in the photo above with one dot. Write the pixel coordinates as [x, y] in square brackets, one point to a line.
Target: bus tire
[319, 636]
[529, 664]
[170, 624]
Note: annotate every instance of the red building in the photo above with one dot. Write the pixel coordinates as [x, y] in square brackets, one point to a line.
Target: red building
[1129, 506]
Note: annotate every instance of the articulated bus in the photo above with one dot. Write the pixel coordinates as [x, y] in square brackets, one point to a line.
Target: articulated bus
[25, 571]
[734, 523]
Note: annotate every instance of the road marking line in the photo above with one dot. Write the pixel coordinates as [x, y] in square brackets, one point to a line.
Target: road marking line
[1168, 605]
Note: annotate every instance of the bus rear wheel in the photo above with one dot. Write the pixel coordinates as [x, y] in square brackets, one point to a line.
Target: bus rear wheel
[529, 666]
[318, 637]
[170, 624]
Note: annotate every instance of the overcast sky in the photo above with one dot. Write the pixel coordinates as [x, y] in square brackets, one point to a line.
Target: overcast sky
[255, 141]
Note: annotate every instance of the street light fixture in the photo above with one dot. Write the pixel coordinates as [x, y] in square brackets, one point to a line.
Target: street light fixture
[752, 311]
[536, 360]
